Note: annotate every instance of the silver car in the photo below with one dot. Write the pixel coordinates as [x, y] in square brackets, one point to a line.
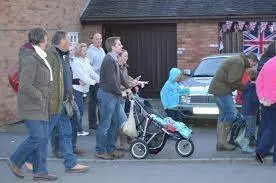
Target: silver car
[199, 103]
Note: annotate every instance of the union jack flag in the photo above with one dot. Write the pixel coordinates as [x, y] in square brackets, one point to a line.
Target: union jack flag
[257, 41]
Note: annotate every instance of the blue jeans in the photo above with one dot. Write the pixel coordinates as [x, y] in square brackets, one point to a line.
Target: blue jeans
[268, 137]
[65, 134]
[112, 115]
[56, 142]
[263, 125]
[80, 103]
[62, 121]
[227, 109]
[34, 146]
[250, 126]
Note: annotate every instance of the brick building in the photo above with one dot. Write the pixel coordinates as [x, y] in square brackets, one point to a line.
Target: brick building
[158, 34]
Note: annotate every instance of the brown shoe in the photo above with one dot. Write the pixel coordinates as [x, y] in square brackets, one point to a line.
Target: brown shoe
[78, 169]
[79, 151]
[15, 170]
[118, 154]
[105, 156]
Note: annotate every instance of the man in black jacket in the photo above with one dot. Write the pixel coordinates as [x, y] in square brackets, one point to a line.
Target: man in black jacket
[112, 114]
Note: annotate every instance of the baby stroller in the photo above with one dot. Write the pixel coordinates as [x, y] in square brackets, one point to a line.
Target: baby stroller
[153, 135]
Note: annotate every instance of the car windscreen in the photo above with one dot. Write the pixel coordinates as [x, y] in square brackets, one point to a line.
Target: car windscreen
[208, 67]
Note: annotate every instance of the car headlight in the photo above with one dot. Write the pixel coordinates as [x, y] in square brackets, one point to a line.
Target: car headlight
[185, 99]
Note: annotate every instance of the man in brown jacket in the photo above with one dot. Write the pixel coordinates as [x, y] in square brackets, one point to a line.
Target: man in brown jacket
[226, 80]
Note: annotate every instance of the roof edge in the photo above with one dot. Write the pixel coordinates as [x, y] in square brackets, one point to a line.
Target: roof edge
[196, 17]
[85, 8]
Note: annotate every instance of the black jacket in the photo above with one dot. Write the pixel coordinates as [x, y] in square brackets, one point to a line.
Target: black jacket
[110, 80]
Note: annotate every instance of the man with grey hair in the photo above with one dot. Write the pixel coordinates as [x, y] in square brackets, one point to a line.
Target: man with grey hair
[95, 54]
[61, 94]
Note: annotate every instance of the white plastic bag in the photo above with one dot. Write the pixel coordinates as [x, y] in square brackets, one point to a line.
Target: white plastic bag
[129, 127]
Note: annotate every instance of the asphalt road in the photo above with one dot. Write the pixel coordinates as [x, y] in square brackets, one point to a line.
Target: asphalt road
[135, 172]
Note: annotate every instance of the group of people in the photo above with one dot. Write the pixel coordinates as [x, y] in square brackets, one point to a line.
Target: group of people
[254, 79]
[255, 85]
[53, 85]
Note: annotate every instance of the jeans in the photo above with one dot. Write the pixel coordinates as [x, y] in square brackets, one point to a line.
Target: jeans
[56, 141]
[250, 126]
[92, 106]
[62, 121]
[80, 103]
[34, 146]
[227, 109]
[262, 125]
[268, 137]
[64, 126]
[112, 116]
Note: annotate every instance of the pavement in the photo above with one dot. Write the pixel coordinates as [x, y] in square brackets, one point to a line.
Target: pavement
[204, 139]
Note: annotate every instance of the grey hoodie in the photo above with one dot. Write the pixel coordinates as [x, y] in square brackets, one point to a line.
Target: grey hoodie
[95, 56]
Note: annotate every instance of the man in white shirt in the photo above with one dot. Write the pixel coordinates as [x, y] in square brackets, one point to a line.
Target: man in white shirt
[95, 54]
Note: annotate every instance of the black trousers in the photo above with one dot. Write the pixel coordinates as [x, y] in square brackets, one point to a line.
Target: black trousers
[92, 107]
[174, 114]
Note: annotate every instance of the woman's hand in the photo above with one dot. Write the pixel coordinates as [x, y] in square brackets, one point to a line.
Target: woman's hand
[134, 83]
[265, 102]
[82, 83]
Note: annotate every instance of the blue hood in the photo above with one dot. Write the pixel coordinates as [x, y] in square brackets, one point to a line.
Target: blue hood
[174, 72]
[170, 91]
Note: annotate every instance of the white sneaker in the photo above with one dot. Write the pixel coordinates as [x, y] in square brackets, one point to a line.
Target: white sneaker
[83, 133]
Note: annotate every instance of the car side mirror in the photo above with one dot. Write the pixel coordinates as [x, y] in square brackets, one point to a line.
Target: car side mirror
[187, 72]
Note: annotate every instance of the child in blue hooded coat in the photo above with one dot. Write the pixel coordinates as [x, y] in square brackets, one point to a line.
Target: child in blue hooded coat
[170, 93]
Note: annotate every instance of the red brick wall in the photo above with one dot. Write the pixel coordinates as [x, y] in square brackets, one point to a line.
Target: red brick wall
[196, 38]
[16, 18]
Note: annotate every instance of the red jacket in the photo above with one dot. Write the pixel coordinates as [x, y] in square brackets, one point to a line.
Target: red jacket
[245, 79]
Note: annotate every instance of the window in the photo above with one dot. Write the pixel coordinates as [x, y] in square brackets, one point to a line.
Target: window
[74, 38]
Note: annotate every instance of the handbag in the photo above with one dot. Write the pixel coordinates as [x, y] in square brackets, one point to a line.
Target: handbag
[13, 77]
[68, 108]
[129, 127]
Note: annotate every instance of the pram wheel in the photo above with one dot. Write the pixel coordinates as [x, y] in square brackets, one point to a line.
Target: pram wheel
[139, 149]
[155, 147]
[184, 147]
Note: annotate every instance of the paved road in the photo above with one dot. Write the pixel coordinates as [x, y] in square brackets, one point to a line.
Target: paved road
[128, 172]
[204, 140]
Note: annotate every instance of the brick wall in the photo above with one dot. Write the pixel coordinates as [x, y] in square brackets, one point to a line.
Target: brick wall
[195, 40]
[16, 18]
[88, 30]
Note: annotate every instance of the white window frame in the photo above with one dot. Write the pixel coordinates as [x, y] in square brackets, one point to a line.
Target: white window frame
[74, 38]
